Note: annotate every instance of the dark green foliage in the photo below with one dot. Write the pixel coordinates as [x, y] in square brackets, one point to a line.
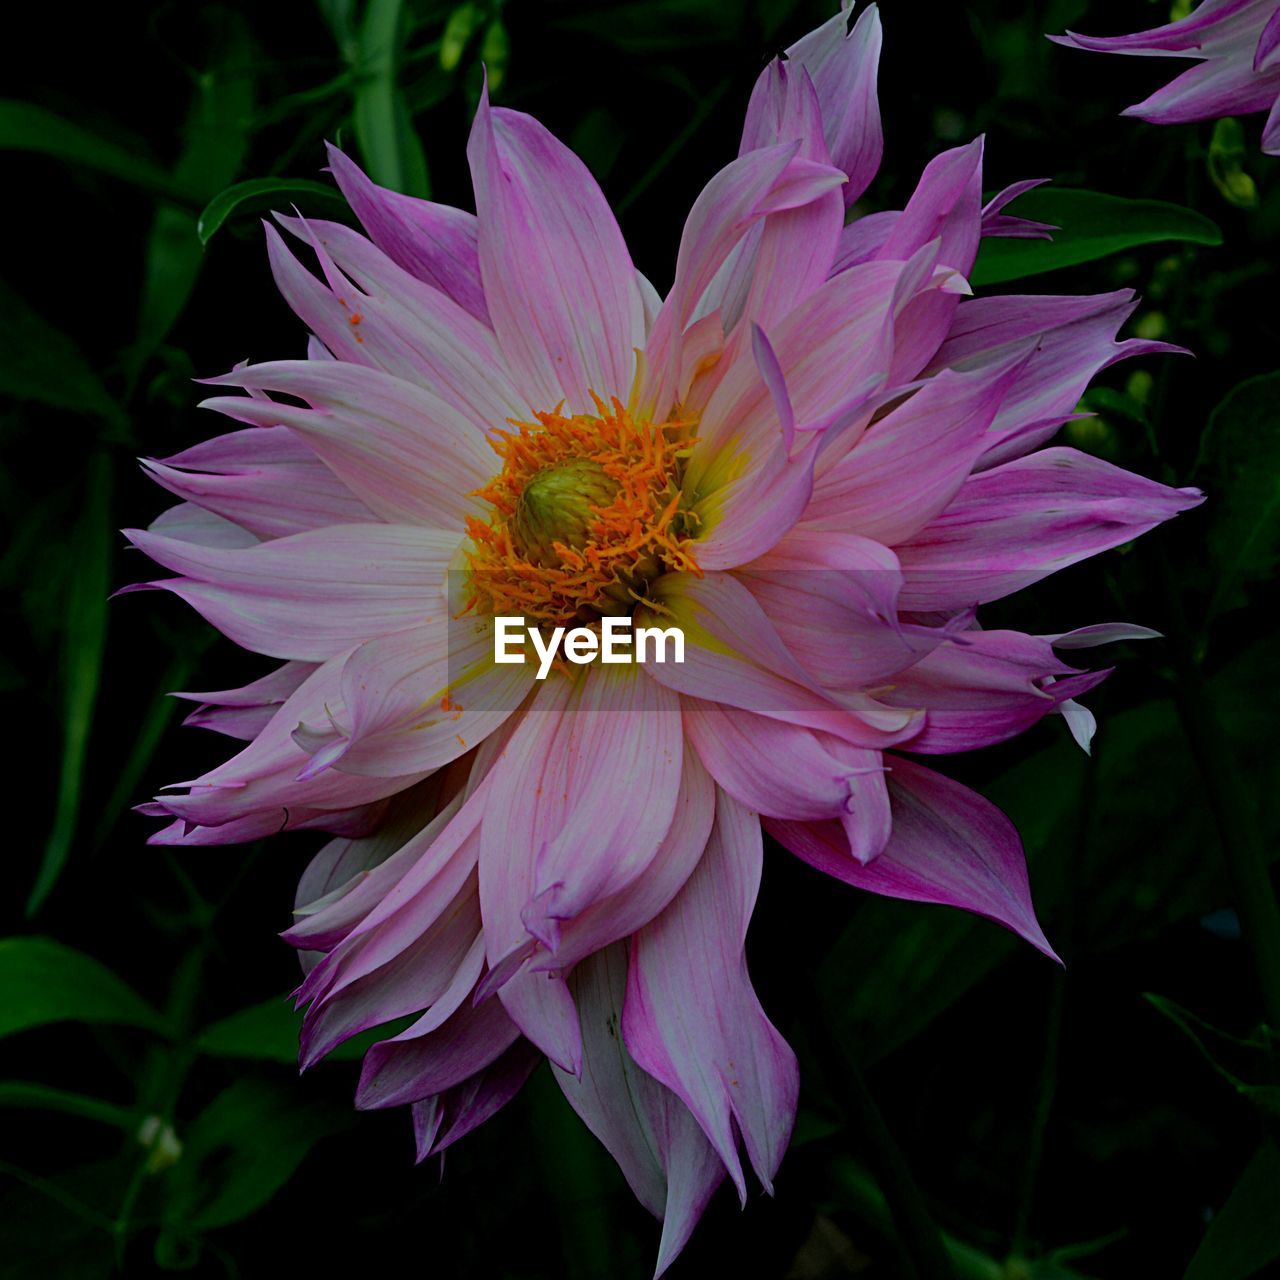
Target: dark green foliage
[1115, 1119]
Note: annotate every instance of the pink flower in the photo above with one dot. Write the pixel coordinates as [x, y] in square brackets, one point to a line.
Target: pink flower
[1237, 45]
[818, 454]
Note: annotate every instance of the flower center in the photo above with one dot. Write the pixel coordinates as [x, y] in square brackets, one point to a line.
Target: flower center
[587, 511]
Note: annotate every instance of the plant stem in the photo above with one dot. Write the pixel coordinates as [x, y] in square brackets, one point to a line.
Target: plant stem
[917, 1231]
[1229, 801]
[1065, 930]
[918, 1234]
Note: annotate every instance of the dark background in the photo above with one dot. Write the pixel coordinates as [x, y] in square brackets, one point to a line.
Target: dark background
[1090, 1123]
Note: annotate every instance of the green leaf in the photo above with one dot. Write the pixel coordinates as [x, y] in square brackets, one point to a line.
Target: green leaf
[42, 981]
[41, 364]
[1227, 153]
[150, 730]
[699, 115]
[27, 127]
[1241, 453]
[1245, 1235]
[495, 53]
[83, 644]
[392, 153]
[258, 194]
[25, 1094]
[240, 1150]
[585, 1189]
[215, 141]
[1247, 1055]
[268, 1032]
[854, 1191]
[929, 957]
[461, 25]
[1092, 225]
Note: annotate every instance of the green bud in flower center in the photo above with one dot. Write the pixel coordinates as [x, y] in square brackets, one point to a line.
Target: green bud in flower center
[560, 504]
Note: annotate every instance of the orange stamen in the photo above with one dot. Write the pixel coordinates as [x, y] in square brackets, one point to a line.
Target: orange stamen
[628, 538]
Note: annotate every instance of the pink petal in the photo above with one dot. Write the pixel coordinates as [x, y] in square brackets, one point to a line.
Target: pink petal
[244, 713]
[450, 1043]
[444, 1118]
[792, 253]
[314, 594]
[949, 846]
[633, 906]
[1073, 339]
[985, 688]
[834, 342]
[384, 871]
[785, 771]
[1220, 87]
[762, 182]
[356, 821]
[734, 655]
[263, 778]
[667, 1161]
[344, 863]
[265, 479]
[370, 312]
[945, 206]
[784, 107]
[411, 457]
[833, 599]
[433, 242]
[417, 698]
[842, 65]
[1271, 131]
[907, 467]
[996, 223]
[749, 515]
[189, 523]
[1268, 46]
[1200, 29]
[581, 801]
[692, 1019]
[561, 290]
[411, 980]
[1019, 522]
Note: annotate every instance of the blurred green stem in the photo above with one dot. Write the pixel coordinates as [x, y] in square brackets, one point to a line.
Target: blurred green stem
[1228, 797]
[1075, 873]
[85, 638]
[918, 1234]
[169, 1065]
[701, 113]
[168, 1071]
[1229, 800]
[917, 1231]
[393, 155]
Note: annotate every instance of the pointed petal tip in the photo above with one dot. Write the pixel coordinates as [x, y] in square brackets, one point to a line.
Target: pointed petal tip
[133, 588]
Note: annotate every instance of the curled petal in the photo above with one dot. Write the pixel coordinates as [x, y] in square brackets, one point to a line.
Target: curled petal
[662, 1152]
[692, 1019]
[949, 846]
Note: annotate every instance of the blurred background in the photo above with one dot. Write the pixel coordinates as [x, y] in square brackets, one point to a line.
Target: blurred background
[1109, 1120]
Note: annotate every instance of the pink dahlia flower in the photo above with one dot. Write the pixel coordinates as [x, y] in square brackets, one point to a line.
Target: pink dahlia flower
[1237, 47]
[817, 455]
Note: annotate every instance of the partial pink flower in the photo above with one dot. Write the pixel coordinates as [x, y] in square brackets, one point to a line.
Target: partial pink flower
[818, 455]
[1236, 45]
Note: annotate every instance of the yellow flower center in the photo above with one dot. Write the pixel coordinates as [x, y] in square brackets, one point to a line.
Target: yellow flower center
[587, 511]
